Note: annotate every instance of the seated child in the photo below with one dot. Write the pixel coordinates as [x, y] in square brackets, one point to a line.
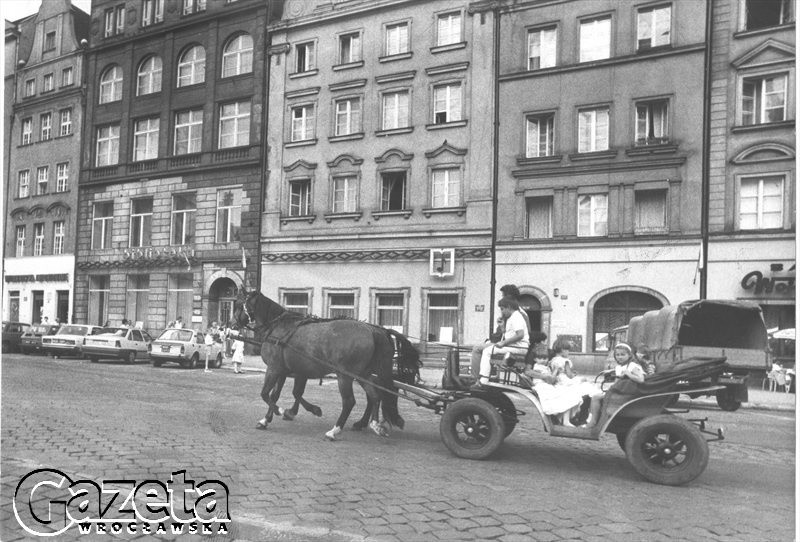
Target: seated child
[627, 364]
[562, 370]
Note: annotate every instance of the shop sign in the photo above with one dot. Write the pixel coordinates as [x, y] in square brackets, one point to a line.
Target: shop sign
[756, 281]
[60, 277]
[152, 253]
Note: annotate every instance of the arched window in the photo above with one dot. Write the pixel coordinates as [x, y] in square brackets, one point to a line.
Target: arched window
[192, 66]
[148, 79]
[616, 309]
[237, 56]
[111, 85]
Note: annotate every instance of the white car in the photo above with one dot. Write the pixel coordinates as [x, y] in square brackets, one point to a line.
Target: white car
[118, 343]
[69, 339]
[186, 347]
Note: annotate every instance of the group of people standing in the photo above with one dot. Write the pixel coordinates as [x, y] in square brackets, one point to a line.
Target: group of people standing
[561, 392]
[233, 346]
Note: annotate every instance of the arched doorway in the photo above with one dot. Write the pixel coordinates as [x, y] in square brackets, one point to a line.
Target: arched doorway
[533, 308]
[221, 296]
[615, 309]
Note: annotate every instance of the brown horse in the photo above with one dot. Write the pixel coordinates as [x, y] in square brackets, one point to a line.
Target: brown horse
[311, 348]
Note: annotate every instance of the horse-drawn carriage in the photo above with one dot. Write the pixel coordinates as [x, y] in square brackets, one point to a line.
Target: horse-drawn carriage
[660, 445]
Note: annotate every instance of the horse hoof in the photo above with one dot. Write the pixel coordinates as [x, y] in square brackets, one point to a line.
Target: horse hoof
[288, 416]
[261, 426]
[316, 411]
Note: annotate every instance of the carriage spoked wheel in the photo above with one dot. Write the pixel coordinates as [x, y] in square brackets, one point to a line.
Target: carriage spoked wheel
[472, 428]
[666, 449]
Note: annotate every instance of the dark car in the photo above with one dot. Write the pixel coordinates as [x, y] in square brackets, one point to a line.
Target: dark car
[31, 340]
[12, 331]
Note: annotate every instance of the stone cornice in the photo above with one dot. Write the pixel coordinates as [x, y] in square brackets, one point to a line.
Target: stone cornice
[368, 255]
[587, 169]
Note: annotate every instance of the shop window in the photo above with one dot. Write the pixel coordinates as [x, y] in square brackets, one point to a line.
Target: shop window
[99, 290]
[137, 298]
[179, 297]
[442, 317]
[616, 309]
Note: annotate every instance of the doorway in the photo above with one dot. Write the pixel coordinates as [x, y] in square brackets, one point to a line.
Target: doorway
[37, 304]
[533, 308]
[221, 298]
[62, 306]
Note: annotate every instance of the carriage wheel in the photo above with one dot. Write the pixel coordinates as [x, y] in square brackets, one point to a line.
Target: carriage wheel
[507, 410]
[727, 400]
[472, 428]
[667, 450]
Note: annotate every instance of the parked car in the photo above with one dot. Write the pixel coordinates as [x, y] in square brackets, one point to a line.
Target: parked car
[68, 340]
[12, 331]
[186, 347]
[118, 343]
[31, 340]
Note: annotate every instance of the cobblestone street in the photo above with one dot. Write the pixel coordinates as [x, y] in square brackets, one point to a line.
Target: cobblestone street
[112, 421]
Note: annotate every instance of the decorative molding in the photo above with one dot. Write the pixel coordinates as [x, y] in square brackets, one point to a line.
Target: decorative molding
[428, 211]
[447, 68]
[524, 161]
[301, 143]
[422, 255]
[300, 164]
[339, 216]
[779, 152]
[307, 91]
[307, 73]
[445, 147]
[348, 66]
[442, 126]
[344, 85]
[405, 213]
[394, 131]
[304, 218]
[165, 261]
[392, 77]
[346, 137]
[649, 150]
[588, 169]
[345, 158]
[279, 49]
[398, 56]
[781, 47]
[405, 157]
[450, 47]
[597, 155]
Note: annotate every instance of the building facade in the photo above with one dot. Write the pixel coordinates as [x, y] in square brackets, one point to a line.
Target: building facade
[44, 152]
[171, 175]
[378, 205]
[751, 253]
[600, 154]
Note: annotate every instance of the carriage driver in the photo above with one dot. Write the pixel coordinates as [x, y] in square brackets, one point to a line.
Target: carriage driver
[515, 339]
[507, 291]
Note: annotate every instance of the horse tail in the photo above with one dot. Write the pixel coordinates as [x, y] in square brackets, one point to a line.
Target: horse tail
[408, 364]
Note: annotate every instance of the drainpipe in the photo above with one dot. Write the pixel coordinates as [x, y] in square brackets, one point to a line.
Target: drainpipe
[495, 162]
[706, 168]
[264, 145]
[8, 183]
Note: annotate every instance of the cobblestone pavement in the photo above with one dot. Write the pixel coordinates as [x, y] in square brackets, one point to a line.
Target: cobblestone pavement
[112, 421]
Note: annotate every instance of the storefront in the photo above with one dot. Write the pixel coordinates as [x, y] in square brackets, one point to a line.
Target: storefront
[38, 288]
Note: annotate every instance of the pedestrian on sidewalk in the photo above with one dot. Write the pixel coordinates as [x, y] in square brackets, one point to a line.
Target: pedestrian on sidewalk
[238, 355]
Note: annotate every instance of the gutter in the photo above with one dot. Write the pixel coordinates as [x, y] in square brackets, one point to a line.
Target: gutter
[495, 163]
[706, 166]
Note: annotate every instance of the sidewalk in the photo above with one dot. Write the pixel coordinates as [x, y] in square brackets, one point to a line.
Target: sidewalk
[432, 377]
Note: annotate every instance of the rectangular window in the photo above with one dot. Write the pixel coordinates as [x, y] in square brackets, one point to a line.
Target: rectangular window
[66, 77]
[192, 6]
[296, 302]
[42, 178]
[446, 188]
[539, 135]
[396, 39]
[137, 298]
[27, 131]
[62, 176]
[443, 318]
[300, 198]
[651, 211]
[49, 41]
[48, 82]
[20, 237]
[393, 190]
[447, 103]
[651, 122]
[114, 21]
[141, 222]
[119, 14]
[46, 126]
[593, 130]
[595, 39]
[542, 48]
[65, 124]
[763, 99]
[305, 60]
[38, 239]
[184, 209]
[395, 110]
[30, 87]
[58, 237]
[152, 12]
[102, 218]
[99, 290]
[229, 215]
[653, 27]
[345, 194]
[179, 296]
[302, 122]
[592, 215]
[761, 203]
[350, 48]
[390, 311]
[234, 124]
[540, 217]
[107, 145]
[341, 305]
[145, 139]
[348, 116]
[24, 184]
[766, 13]
[188, 132]
[448, 28]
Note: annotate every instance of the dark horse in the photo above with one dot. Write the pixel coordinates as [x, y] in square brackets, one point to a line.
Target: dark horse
[311, 348]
